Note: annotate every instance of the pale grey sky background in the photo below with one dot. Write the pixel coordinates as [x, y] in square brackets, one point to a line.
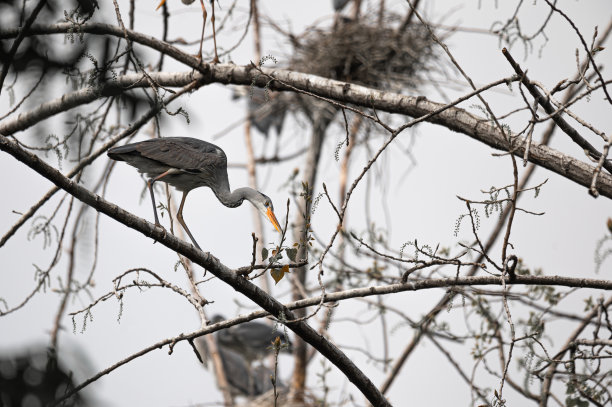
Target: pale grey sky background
[421, 204]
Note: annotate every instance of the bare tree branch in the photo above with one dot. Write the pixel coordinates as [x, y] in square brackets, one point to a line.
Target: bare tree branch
[550, 109]
[210, 263]
[453, 118]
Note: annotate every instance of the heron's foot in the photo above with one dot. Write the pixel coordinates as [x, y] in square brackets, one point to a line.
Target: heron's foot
[215, 60]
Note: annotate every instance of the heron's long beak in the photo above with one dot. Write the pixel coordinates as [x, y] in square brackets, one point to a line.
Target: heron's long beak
[160, 4]
[272, 218]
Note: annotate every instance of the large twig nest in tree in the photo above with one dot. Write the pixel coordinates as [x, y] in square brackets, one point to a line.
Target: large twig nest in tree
[385, 56]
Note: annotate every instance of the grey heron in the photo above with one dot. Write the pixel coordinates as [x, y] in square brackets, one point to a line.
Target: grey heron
[187, 163]
[267, 109]
[242, 380]
[252, 339]
[338, 4]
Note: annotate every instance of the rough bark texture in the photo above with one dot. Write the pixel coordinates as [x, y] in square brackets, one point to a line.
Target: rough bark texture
[453, 118]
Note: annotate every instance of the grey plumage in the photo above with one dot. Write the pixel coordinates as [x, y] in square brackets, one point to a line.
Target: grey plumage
[245, 383]
[199, 163]
[252, 339]
[187, 163]
[339, 4]
[243, 380]
[267, 109]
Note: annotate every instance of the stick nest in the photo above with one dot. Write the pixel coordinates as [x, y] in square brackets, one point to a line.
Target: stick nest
[383, 56]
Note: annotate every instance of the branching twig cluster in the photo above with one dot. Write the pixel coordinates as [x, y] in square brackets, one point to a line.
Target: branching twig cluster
[358, 66]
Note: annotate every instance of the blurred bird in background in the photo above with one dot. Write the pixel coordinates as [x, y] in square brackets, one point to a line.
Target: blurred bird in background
[253, 339]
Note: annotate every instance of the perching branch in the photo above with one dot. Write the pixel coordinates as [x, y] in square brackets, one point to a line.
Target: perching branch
[207, 261]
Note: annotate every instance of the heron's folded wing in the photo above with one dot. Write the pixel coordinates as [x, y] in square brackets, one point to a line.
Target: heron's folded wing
[188, 154]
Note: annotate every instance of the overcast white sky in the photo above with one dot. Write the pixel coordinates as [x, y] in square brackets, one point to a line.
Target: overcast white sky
[421, 204]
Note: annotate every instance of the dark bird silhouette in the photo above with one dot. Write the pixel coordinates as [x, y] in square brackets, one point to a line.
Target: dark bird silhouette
[36, 378]
[267, 109]
[253, 339]
[339, 4]
[187, 163]
[243, 380]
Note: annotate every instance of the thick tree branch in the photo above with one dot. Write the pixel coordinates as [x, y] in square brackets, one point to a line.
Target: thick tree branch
[207, 261]
[455, 119]
[212, 264]
[454, 282]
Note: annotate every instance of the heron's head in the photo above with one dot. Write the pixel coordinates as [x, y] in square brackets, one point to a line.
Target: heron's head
[264, 205]
[217, 318]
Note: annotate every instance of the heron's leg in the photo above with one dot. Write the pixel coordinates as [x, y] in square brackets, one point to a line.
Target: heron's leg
[204, 15]
[150, 183]
[179, 217]
[212, 20]
[150, 186]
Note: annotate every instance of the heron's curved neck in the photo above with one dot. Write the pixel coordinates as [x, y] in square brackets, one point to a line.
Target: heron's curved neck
[232, 199]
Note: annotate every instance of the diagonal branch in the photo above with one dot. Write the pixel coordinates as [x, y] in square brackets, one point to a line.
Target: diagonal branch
[454, 119]
[207, 261]
[550, 109]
